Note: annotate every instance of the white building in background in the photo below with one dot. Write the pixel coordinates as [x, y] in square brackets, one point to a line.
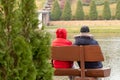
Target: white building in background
[43, 17]
[40, 20]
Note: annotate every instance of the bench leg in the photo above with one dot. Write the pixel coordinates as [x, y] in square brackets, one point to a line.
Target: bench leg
[86, 78]
[70, 77]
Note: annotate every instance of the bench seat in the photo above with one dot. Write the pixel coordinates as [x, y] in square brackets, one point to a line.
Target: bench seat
[102, 72]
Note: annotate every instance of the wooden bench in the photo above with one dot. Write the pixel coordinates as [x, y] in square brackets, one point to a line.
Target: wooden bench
[88, 53]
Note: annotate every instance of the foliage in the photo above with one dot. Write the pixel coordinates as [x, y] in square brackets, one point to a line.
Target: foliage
[106, 11]
[39, 41]
[56, 11]
[93, 14]
[41, 54]
[66, 13]
[17, 26]
[117, 15]
[79, 11]
[101, 2]
[14, 63]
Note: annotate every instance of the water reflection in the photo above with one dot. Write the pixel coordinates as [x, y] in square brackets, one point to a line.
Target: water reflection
[111, 50]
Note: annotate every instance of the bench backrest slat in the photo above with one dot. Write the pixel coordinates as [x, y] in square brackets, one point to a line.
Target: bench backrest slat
[93, 53]
[73, 53]
[66, 53]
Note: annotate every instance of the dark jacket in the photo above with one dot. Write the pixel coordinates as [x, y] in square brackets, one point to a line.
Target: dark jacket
[87, 39]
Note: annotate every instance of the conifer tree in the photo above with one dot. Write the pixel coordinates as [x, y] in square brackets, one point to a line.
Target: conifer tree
[93, 14]
[17, 50]
[66, 13]
[79, 15]
[106, 11]
[56, 11]
[41, 50]
[39, 40]
[117, 15]
[28, 21]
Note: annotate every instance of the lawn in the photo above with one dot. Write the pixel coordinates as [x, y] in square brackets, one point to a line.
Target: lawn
[100, 28]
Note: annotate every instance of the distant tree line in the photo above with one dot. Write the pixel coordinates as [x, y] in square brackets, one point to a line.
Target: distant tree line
[97, 2]
[66, 13]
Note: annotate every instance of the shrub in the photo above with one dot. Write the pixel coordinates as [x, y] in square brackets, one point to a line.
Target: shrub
[93, 14]
[79, 15]
[106, 11]
[66, 13]
[117, 15]
[56, 11]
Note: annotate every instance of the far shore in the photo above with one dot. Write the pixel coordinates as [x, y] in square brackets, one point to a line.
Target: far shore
[99, 28]
[91, 23]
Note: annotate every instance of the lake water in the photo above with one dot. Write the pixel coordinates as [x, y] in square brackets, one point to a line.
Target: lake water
[111, 50]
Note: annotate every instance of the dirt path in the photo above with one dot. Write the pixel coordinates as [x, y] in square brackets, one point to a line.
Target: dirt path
[95, 23]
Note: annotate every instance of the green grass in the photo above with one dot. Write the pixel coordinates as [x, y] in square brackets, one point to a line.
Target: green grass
[96, 31]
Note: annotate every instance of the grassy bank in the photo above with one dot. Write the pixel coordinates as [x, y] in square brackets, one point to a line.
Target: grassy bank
[97, 28]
